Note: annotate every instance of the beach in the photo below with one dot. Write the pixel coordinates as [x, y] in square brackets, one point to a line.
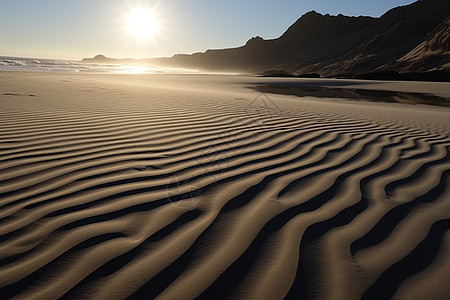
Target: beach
[175, 186]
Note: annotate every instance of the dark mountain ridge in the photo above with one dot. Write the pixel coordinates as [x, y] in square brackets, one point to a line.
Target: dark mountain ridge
[336, 45]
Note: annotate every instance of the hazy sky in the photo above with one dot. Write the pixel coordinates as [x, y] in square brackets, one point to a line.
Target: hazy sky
[73, 29]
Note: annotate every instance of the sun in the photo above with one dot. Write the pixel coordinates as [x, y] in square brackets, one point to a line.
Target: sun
[142, 23]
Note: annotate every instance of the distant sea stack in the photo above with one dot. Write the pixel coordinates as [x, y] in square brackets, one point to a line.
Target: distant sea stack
[100, 59]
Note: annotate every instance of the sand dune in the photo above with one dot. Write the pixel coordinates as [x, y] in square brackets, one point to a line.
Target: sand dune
[186, 186]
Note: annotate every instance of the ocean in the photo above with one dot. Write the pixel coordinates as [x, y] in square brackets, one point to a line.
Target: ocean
[55, 65]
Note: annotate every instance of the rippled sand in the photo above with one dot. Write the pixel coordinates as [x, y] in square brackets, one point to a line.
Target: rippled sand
[185, 186]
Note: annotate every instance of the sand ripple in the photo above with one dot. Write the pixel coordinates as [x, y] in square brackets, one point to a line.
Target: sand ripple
[177, 197]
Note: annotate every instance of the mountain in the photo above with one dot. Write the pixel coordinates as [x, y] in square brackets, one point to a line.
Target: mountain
[434, 52]
[411, 38]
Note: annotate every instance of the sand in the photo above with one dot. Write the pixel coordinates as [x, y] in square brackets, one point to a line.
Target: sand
[185, 186]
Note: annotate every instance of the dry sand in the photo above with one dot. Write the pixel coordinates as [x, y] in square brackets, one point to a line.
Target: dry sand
[185, 186]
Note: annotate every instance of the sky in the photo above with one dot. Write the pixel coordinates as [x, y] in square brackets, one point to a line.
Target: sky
[73, 29]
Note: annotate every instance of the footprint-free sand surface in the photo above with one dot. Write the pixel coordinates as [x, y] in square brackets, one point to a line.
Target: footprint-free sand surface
[201, 186]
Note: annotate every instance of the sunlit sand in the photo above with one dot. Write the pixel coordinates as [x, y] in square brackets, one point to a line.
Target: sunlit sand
[184, 186]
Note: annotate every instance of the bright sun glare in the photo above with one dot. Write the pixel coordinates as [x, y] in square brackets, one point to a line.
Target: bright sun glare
[142, 23]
